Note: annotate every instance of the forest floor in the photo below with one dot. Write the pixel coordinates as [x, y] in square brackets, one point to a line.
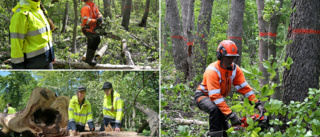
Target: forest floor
[109, 134]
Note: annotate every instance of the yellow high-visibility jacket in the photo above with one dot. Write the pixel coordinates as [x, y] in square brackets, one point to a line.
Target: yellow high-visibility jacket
[30, 36]
[80, 115]
[117, 112]
[11, 110]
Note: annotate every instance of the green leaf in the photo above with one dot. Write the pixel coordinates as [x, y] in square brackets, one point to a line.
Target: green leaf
[246, 102]
[264, 99]
[250, 121]
[289, 61]
[266, 65]
[278, 134]
[274, 65]
[255, 70]
[164, 133]
[264, 90]
[267, 135]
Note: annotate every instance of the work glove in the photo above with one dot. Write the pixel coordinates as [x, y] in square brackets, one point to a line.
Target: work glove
[259, 107]
[99, 20]
[234, 119]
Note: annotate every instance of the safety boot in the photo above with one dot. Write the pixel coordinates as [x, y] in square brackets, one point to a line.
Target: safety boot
[90, 57]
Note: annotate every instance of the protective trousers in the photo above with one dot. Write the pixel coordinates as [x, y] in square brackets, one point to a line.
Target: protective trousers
[217, 121]
[93, 43]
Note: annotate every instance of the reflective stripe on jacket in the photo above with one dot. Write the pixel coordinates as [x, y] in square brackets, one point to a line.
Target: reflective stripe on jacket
[217, 84]
[30, 35]
[11, 110]
[77, 114]
[117, 113]
[89, 15]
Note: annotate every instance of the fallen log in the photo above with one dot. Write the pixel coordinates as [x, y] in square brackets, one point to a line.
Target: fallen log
[99, 54]
[126, 53]
[45, 114]
[189, 122]
[82, 65]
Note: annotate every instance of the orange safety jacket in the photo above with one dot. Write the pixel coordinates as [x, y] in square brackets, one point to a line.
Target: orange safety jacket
[89, 15]
[217, 84]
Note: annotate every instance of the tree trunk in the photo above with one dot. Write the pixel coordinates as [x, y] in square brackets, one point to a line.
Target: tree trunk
[123, 3]
[133, 118]
[165, 34]
[143, 22]
[156, 7]
[126, 15]
[107, 7]
[75, 5]
[178, 46]
[263, 43]
[190, 40]
[304, 51]
[65, 18]
[44, 114]
[235, 28]
[153, 118]
[272, 51]
[199, 62]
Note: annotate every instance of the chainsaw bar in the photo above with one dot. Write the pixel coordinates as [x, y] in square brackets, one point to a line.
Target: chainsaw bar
[110, 35]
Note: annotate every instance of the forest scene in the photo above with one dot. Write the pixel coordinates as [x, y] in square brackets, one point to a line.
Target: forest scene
[134, 22]
[278, 42]
[138, 90]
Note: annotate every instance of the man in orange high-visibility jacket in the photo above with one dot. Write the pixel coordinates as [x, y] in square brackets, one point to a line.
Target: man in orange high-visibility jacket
[91, 18]
[216, 84]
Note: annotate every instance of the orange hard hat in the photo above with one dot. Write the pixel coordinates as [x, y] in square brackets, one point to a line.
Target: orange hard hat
[227, 48]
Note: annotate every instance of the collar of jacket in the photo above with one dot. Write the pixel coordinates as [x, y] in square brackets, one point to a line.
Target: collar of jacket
[75, 99]
[27, 5]
[91, 4]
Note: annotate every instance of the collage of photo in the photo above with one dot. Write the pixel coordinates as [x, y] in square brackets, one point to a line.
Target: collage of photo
[159, 68]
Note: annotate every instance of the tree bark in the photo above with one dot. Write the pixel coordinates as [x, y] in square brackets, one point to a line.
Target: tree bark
[304, 51]
[126, 14]
[143, 22]
[126, 54]
[199, 62]
[263, 43]
[272, 49]
[65, 18]
[153, 118]
[75, 5]
[190, 39]
[178, 46]
[107, 7]
[235, 28]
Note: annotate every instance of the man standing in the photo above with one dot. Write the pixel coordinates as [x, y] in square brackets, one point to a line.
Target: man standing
[216, 84]
[80, 112]
[91, 18]
[112, 108]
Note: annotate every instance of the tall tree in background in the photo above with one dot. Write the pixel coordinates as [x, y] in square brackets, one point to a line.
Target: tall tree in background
[235, 28]
[65, 18]
[143, 22]
[123, 3]
[73, 46]
[201, 41]
[178, 46]
[190, 39]
[272, 48]
[126, 14]
[107, 7]
[263, 43]
[304, 31]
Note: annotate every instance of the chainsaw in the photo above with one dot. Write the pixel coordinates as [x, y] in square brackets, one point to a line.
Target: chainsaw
[263, 123]
[101, 31]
